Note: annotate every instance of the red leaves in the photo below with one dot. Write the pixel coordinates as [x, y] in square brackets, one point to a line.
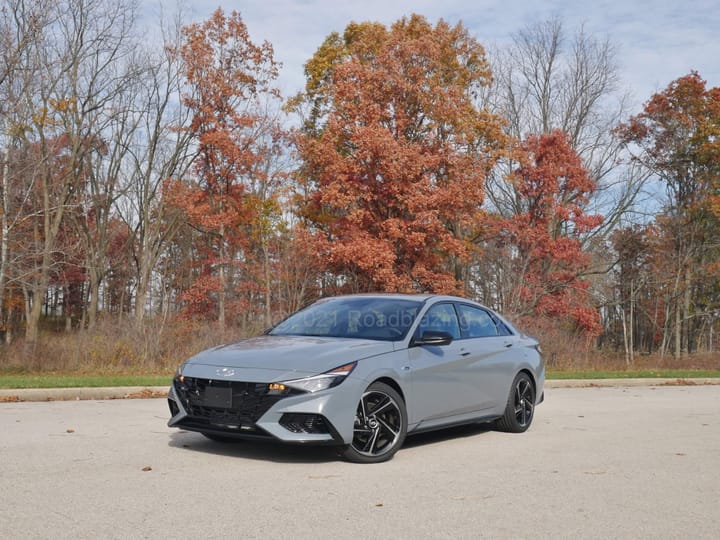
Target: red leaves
[553, 181]
[552, 187]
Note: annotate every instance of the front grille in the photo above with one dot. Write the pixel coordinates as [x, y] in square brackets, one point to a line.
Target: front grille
[228, 404]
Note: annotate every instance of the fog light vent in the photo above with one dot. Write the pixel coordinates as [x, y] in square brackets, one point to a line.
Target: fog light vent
[304, 423]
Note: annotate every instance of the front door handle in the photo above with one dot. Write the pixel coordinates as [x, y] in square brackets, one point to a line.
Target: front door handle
[508, 345]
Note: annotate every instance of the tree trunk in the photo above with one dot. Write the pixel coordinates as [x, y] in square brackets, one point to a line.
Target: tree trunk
[223, 284]
[94, 303]
[268, 285]
[687, 298]
[26, 304]
[32, 328]
[626, 346]
[631, 326]
[140, 299]
[143, 285]
[4, 229]
[121, 307]
[678, 329]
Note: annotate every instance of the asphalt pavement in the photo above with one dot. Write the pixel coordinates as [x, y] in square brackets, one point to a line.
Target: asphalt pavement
[611, 462]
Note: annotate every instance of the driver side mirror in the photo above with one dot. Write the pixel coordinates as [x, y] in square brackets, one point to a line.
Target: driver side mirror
[433, 337]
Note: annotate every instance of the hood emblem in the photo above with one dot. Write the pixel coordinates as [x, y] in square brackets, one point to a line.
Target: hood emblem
[225, 372]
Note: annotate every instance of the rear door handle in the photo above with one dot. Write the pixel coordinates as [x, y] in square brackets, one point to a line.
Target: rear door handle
[465, 353]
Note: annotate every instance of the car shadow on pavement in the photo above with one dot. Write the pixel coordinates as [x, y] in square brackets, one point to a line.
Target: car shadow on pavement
[288, 453]
[258, 450]
[446, 434]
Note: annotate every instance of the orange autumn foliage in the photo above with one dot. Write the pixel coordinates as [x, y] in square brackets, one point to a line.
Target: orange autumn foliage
[395, 153]
[678, 138]
[229, 83]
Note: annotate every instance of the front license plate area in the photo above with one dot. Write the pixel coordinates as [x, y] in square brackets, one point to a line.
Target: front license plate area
[217, 396]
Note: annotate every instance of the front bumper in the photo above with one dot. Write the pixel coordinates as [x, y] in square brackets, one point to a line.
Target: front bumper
[254, 413]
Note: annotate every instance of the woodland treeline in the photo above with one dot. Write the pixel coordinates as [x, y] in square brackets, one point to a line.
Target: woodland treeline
[154, 180]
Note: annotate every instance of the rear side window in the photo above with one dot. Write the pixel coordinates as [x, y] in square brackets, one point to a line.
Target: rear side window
[503, 330]
[476, 323]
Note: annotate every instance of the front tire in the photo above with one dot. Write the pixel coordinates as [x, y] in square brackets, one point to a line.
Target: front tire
[520, 407]
[380, 425]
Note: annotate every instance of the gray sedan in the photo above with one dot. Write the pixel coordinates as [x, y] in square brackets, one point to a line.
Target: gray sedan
[362, 372]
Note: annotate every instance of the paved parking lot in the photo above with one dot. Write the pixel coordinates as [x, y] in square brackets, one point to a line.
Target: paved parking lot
[598, 463]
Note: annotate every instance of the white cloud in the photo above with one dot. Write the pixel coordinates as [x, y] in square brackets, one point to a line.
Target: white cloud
[658, 41]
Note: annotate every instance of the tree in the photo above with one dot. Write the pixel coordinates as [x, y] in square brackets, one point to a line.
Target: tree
[299, 270]
[161, 155]
[395, 153]
[676, 139]
[73, 80]
[34, 267]
[542, 241]
[104, 71]
[548, 80]
[229, 82]
[632, 272]
[21, 27]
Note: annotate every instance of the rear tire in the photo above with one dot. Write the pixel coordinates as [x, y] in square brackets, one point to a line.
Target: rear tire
[380, 425]
[520, 407]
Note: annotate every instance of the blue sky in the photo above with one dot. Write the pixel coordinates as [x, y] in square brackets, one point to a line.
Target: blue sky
[657, 41]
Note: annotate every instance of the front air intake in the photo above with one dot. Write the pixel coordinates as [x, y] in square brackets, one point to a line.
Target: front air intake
[304, 423]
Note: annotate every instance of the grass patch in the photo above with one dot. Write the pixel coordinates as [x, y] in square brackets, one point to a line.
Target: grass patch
[59, 380]
[81, 380]
[641, 374]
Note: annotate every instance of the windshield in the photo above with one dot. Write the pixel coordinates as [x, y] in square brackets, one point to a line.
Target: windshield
[385, 319]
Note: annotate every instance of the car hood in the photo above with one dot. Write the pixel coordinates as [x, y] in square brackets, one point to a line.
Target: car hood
[279, 358]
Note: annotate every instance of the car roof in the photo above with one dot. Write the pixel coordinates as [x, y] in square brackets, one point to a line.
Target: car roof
[397, 296]
[419, 297]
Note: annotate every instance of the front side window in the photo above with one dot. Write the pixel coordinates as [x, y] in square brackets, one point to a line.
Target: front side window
[440, 318]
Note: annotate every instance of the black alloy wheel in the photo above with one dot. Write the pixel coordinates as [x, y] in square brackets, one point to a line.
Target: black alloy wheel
[520, 406]
[380, 425]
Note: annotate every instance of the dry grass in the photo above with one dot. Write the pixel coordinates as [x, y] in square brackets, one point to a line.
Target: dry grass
[581, 359]
[115, 347]
[565, 351]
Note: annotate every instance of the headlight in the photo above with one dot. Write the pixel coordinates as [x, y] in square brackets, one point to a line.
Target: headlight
[178, 375]
[323, 381]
